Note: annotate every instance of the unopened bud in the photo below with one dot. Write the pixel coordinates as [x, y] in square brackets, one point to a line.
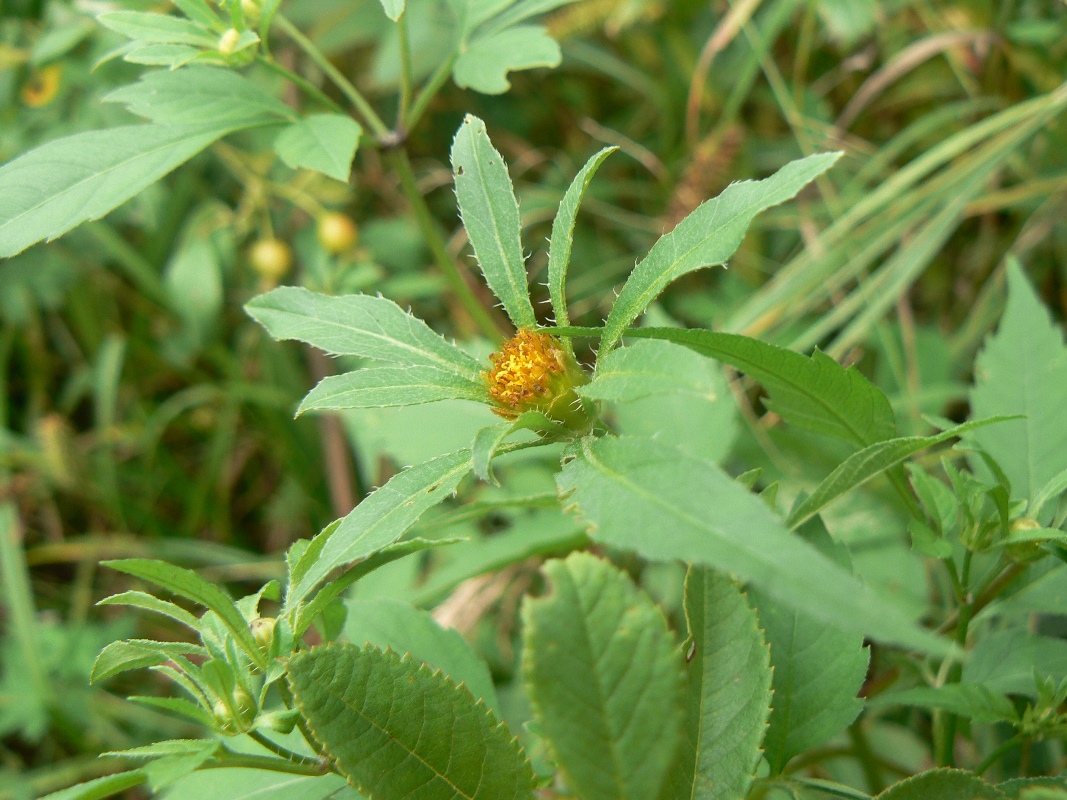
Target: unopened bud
[228, 41]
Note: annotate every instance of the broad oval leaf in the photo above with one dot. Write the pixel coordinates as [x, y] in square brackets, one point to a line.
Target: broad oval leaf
[61, 184]
[729, 692]
[377, 387]
[358, 324]
[707, 238]
[664, 504]
[484, 64]
[559, 248]
[943, 784]
[401, 732]
[323, 142]
[491, 216]
[603, 674]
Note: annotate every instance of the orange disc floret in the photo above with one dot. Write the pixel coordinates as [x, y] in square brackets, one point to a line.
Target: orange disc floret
[534, 372]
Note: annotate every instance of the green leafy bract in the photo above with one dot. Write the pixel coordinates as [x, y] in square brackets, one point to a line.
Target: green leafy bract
[665, 504]
[729, 692]
[707, 238]
[377, 387]
[603, 674]
[357, 324]
[491, 216]
[323, 142]
[401, 732]
[1023, 370]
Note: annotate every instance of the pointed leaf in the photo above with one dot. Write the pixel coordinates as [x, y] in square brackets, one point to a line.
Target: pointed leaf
[1023, 370]
[860, 467]
[61, 184]
[198, 95]
[944, 784]
[100, 788]
[148, 602]
[128, 654]
[818, 670]
[323, 142]
[357, 324]
[378, 387]
[707, 238]
[729, 693]
[814, 393]
[491, 216]
[970, 700]
[603, 674]
[393, 8]
[392, 624]
[178, 707]
[398, 730]
[484, 65]
[384, 516]
[146, 26]
[559, 248]
[664, 504]
[488, 440]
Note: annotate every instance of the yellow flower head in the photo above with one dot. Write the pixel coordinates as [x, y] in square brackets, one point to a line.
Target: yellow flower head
[534, 372]
[43, 86]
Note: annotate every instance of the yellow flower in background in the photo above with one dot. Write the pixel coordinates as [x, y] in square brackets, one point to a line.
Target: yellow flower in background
[43, 86]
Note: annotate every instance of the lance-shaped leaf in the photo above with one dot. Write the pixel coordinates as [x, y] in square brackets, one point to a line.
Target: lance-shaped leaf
[199, 94]
[61, 184]
[603, 674]
[729, 692]
[860, 467]
[814, 393]
[491, 216]
[818, 669]
[641, 495]
[943, 784]
[148, 602]
[357, 324]
[146, 26]
[186, 583]
[650, 368]
[383, 517]
[398, 730]
[559, 248]
[323, 142]
[378, 387]
[99, 788]
[707, 238]
[128, 654]
[1023, 370]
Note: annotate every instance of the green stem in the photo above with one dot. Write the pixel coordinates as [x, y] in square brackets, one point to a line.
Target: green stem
[997, 754]
[368, 116]
[945, 722]
[872, 771]
[429, 91]
[405, 71]
[311, 89]
[451, 271]
[285, 753]
[229, 760]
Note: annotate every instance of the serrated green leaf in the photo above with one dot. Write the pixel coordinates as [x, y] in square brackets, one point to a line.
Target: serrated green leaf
[485, 64]
[146, 26]
[707, 238]
[63, 183]
[148, 602]
[255, 784]
[378, 387]
[169, 747]
[357, 324]
[603, 674]
[860, 467]
[387, 623]
[728, 693]
[323, 142]
[654, 499]
[1014, 788]
[100, 788]
[815, 393]
[1023, 370]
[393, 8]
[976, 702]
[384, 516]
[650, 368]
[199, 94]
[818, 669]
[161, 55]
[128, 654]
[178, 707]
[559, 247]
[186, 583]
[401, 732]
[491, 216]
[944, 784]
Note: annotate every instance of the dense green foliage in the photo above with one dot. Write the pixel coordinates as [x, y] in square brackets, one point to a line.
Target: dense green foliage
[706, 442]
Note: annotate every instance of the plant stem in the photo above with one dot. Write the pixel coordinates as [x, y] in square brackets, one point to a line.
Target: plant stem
[945, 722]
[311, 89]
[285, 753]
[405, 71]
[862, 750]
[453, 276]
[367, 114]
[230, 760]
[997, 754]
[429, 90]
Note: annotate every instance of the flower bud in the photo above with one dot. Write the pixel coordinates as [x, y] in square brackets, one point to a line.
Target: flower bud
[252, 9]
[263, 632]
[238, 716]
[337, 232]
[228, 41]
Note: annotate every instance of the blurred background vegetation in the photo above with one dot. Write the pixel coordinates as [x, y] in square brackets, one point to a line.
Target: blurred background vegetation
[143, 413]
